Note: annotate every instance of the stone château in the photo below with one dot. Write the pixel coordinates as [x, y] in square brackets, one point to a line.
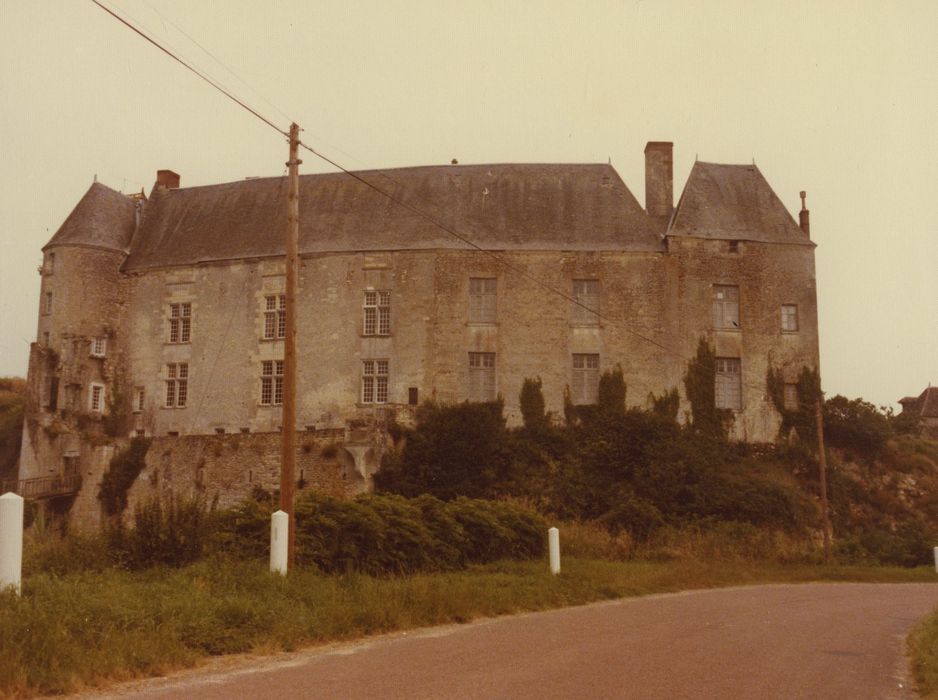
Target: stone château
[162, 315]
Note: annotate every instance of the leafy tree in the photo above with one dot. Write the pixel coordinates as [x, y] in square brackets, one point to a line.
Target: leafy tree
[460, 450]
[855, 425]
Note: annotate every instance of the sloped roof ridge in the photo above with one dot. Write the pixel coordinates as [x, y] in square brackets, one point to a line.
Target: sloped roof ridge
[399, 169]
[102, 218]
[733, 201]
[498, 206]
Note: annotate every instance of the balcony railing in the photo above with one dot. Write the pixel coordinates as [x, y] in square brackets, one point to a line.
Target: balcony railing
[44, 486]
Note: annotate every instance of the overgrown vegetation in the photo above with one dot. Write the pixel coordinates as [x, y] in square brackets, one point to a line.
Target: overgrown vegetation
[83, 630]
[639, 472]
[123, 470]
[12, 404]
[923, 653]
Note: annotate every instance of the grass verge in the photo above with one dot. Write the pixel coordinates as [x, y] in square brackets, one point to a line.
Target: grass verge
[91, 628]
[923, 651]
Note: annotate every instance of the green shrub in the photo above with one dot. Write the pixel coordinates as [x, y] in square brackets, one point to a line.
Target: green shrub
[123, 470]
[855, 425]
[169, 533]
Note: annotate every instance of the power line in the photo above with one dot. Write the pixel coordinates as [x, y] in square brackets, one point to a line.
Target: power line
[204, 77]
[396, 200]
[218, 61]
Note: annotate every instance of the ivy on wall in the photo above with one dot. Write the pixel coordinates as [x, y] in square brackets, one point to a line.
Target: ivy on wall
[121, 474]
[803, 419]
[699, 385]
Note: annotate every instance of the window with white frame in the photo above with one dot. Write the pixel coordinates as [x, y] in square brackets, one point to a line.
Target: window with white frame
[482, 299]
[377, 313]
[177, 384]
[586, 309]
[275, 316]
[98, 347]
[790, 317]
[482, 376]
[271, 382]
[374, 381]
[96, 398]
[725, 306]
[791, 400]
[138, 399]
[585, 385]
[727, 390]
[180, 322]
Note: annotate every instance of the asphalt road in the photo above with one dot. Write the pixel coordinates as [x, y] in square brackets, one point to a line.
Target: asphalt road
[787, 641]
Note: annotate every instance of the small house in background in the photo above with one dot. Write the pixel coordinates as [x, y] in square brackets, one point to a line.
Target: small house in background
[925, 406]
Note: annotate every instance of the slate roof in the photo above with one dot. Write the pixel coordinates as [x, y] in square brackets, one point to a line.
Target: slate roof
[498, 207]
[926, 405]
[103, 218]
[733, 202]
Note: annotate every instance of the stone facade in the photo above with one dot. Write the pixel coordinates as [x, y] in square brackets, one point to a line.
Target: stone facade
[557, 239]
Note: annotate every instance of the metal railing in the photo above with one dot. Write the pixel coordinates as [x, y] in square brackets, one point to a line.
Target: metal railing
[43, 486]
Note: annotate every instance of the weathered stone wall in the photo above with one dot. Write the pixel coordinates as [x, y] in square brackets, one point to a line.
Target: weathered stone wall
[226, 469]
[768, 275]
[654, 306]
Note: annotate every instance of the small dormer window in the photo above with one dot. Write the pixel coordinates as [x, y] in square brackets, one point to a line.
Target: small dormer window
[98, 347]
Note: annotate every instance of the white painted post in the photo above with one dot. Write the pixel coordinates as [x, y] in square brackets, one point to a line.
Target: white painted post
[553, 543]
[279, 531]
[11, 541]
[936, 559]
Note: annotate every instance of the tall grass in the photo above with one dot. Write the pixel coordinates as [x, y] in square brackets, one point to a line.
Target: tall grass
[923, 651]
[89, 628]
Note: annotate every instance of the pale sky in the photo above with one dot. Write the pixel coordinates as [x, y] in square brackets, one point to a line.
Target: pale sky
[836, 98]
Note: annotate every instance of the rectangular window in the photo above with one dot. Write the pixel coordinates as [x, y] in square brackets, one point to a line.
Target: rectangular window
[98, 347]
[791, 401]
[271, 382]
[377, 313]
[275, 316]
[45, 339]
[482, 299]
[727, 389]
[50, 263]
[586, 308]
[790, 317]
[180, 322]
[412, 394]
[48, 306]
[177, 384]
[585, 388]
[138, 399]
[96, 398]
[482, 376]
[375, 381]
[725, 306]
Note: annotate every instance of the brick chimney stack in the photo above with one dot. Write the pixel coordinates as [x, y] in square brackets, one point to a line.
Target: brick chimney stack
[659, 179]
[167, 178]
[804, 216]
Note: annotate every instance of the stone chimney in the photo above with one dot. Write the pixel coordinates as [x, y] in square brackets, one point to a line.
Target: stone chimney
[659, 179]
[167, 178]
[804, 216]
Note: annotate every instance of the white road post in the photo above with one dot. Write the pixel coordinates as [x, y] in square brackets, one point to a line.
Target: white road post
[279, 531]
[936, 559]
[553, 543]
[11, 541]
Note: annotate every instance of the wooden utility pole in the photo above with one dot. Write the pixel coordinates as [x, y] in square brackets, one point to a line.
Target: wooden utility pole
[288, 429]
[822, 462]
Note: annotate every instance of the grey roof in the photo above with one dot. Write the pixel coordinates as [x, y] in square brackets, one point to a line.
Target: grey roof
[733, 202]
[925, 405]
[103, 218]
[497, 207]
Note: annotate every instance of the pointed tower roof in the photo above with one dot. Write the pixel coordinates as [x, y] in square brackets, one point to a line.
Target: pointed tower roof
[733, 202]
[103, 218]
